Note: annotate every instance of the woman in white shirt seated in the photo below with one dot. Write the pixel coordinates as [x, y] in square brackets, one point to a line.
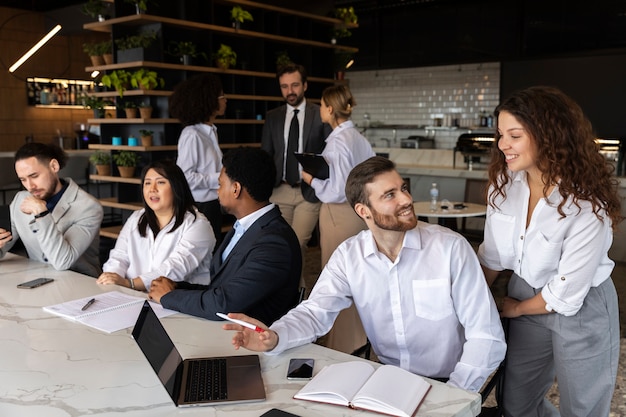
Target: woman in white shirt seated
[168, 237]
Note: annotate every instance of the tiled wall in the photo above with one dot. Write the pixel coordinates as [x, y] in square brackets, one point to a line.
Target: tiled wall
[419, 96]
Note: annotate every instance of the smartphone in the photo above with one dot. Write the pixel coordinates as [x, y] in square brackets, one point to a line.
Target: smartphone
[300, 369]
[35, 283]
[5, 218]
[275, 412]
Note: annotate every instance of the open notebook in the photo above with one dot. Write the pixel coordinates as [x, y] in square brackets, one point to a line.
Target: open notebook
[110, 312]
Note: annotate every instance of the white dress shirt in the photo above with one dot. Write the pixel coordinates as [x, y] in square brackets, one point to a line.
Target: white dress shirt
[345, 149]
[200, 158]
[562, 256]
[183, 255]
[429, 312]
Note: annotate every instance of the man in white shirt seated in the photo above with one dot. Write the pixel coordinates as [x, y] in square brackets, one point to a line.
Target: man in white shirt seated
[419, 290]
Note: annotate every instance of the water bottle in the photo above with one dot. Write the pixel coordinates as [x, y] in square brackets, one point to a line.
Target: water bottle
[434, 196]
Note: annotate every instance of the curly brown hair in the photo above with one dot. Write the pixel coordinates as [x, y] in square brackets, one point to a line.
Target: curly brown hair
[567, 153]
[195, 100]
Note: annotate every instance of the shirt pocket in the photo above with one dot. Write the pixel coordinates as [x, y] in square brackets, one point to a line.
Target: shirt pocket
[431, 299]
[503, 234]
[545, 256]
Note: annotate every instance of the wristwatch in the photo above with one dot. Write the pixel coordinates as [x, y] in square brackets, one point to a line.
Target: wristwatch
[42, 214]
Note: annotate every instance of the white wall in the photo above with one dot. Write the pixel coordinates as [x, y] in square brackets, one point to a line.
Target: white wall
[417, 96]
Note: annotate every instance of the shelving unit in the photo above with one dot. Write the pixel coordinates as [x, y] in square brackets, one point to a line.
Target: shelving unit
[251, 89]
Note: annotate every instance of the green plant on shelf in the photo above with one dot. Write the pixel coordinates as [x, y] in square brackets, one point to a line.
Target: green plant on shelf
[225, 57]
[144, 105]
[239, 15]
[96, 48]
[120, 80]
[347, 14]
[146, 79]
[95, 9]
[126, 159]
[282, 59]
[97, 104]
[100, 158]
[141, 5]
[145, 132]
[141, 40]
[130, 105]
[184, 48]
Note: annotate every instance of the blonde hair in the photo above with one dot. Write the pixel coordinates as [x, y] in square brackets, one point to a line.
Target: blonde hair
[340, 99]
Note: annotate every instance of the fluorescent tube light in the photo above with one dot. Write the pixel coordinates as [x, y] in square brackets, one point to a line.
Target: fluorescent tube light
[35, 48]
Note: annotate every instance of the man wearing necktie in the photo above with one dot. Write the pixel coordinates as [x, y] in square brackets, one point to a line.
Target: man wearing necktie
[257, 267]
[295, 126]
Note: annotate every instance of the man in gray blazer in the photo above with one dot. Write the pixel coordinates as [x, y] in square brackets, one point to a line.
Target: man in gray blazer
[256, 269]
[57, 221]
[297, 201]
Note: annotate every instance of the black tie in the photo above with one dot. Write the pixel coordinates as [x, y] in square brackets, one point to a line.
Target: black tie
[292, 176]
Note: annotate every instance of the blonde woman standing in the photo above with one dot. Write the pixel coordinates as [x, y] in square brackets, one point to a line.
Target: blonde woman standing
[345, 149]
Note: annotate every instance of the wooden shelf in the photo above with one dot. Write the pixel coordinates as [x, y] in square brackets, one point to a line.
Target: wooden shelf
[127, 121]
[143, 19]
[112, 202]
[103, 147]
[110, 178]
[130, 93]
[112, 232]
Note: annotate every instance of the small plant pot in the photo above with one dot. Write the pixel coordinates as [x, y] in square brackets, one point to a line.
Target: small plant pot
[186, 60]
[104, 170]
[126, 172]
[96, 60]
[131, 113]
[221, 64]
[146, 141]
[108, 59]
[99, 113]
[145, 112]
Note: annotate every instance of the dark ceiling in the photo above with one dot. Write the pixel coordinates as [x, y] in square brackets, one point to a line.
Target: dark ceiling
[40, 5]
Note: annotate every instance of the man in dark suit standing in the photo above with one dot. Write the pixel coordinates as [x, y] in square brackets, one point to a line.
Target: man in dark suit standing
[297, 201]
[257, 267]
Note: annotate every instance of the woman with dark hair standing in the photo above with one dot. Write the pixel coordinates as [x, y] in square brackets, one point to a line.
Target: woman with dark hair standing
[197, 102]
[553, 206]
[168, 237]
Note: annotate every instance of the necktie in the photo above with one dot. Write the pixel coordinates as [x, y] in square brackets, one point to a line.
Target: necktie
[292, 175]
[239, 230]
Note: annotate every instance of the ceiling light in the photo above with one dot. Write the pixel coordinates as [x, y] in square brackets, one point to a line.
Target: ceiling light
[349, 64]
[35, 48]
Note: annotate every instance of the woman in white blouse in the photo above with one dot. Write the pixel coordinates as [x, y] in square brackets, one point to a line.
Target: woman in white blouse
[197, 102]
[345, 148]
[168, 237]
[553, 205]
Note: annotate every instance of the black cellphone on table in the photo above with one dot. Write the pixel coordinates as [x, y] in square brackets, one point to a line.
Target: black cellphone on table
[275, 412]
[5, 218]
[300, 369]
[38, 282]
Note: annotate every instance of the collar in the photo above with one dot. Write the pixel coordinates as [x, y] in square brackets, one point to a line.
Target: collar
[301, 107]
[249, 220]
[52, 201]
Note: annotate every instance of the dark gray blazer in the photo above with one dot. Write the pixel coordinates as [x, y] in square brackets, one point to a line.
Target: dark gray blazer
[260, 277]
[313, 139]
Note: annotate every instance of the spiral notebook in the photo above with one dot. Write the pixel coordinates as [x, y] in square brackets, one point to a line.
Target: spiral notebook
[110, 311]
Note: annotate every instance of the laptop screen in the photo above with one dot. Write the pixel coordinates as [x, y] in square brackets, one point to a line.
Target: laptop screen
[158, 348]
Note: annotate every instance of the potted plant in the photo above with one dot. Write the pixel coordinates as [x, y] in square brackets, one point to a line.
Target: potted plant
[106, 51]
[282, 59]
[146, 137]
[349, 17]
[131, 110]
[97, 104]
[146, 79]
[185, 51]
[94, 50]
[102, 161]
[137, 47]
[225, 57]
[126, 162]
[118, 79]
[239, 15]
[145, 110]
[141, 6]
[95, 9]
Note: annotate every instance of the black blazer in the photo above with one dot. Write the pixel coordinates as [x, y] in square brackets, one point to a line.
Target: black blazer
[314, 136]
[260, 277]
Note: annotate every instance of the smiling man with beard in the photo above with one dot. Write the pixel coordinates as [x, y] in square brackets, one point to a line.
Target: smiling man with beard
[57, 221]
[418, 288]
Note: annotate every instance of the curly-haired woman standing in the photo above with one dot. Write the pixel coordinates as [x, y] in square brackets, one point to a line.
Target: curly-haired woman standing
[553, 205]
[197, 102]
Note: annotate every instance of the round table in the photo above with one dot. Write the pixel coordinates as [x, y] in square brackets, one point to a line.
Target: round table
[443, 216]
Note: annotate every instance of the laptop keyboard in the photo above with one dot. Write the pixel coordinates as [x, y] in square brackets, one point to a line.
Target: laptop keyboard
[206, 380]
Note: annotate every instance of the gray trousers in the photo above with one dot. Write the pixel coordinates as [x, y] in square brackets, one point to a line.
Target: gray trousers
[582, 351]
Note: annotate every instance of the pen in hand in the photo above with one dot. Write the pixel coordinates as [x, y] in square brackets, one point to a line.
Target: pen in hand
[243, 323]
[86, 306]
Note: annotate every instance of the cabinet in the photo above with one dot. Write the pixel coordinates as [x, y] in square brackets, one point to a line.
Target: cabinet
[251, 87]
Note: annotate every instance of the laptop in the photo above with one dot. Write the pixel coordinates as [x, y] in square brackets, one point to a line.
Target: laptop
[197, 381]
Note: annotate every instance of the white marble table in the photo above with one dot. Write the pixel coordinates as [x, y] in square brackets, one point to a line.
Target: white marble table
[422, 208]
[52, 367]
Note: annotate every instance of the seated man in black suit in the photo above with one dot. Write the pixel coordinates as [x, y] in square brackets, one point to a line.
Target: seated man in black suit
[257, 267]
